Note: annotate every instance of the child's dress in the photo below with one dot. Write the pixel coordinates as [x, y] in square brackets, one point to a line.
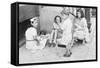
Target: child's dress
[66, 39]
[33, 41]
[30, 35]
[82, 30]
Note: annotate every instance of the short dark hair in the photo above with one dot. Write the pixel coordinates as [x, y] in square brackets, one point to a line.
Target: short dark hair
[81, 12]
[58, 17]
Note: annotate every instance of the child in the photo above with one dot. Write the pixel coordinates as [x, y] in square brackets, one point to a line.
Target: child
[66, 26]
[31, 35]
[57, 21]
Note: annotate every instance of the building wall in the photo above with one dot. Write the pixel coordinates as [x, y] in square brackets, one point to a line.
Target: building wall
[28, 11]
[47, 15]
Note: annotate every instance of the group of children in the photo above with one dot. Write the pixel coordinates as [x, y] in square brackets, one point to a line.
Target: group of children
[63, 32]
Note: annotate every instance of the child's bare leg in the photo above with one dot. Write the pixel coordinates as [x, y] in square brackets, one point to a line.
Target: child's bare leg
[51, 36]
[68, 50]
[55, 36]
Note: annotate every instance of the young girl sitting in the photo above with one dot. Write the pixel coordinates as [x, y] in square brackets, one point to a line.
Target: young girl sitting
[32, 39]
[56, 27]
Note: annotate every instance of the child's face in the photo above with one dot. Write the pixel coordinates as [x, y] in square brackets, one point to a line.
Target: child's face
[58, 20]
[78, 14]
[35, 22]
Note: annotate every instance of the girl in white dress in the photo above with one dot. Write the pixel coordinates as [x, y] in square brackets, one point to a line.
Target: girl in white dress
[81, 30]
[32, 39]
[66, 26]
